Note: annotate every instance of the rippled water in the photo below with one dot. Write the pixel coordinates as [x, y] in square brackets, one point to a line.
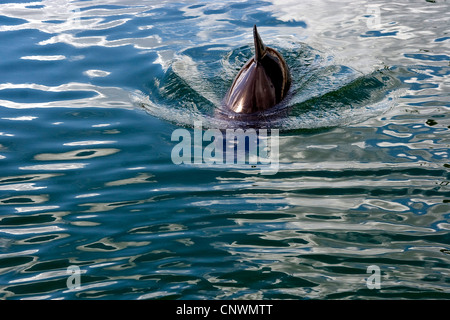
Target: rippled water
[91, 92]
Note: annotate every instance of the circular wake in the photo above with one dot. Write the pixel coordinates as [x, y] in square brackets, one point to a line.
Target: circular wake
[322, 94]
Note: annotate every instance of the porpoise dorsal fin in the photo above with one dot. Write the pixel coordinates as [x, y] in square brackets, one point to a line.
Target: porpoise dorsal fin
[262, 82]
[260, 48]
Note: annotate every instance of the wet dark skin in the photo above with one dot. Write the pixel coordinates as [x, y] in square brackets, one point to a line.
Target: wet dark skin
[262, 83]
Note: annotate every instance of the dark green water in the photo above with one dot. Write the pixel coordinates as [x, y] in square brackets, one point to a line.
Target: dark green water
[92, 91]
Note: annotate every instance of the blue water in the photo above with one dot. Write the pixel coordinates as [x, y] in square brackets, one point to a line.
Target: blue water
[91, 92]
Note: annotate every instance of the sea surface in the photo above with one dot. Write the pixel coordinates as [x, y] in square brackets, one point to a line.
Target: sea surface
[93, 205]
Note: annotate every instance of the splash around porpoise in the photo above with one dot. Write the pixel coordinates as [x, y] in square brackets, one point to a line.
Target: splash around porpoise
[322, 94]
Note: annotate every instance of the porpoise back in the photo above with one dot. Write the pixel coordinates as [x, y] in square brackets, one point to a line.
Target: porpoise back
[261, 83]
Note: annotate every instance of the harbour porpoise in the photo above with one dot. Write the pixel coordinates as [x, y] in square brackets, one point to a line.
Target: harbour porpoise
[261, 83]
